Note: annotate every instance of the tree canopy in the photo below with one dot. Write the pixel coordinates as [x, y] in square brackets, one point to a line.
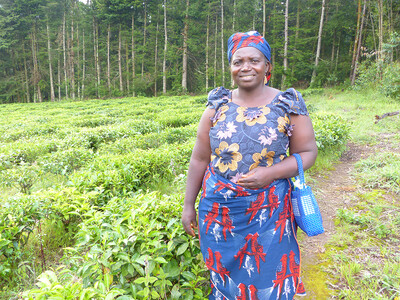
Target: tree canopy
[56, 49]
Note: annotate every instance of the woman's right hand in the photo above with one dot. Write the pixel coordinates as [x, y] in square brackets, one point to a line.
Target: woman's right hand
[189, 220]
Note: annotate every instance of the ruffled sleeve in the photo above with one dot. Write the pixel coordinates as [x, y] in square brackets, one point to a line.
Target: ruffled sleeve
[293, 102]
[217, 97]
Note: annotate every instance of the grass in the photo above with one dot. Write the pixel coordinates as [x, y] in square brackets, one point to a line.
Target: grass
[359, 109]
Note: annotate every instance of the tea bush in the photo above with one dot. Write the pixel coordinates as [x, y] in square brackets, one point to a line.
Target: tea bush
[18, 217]
[331, 131]
[65, 161]
[26, 151]
[136, 248]
[122, 174]
[86, 165]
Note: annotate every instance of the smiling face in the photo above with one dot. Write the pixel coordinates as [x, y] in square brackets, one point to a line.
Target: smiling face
[249, 67]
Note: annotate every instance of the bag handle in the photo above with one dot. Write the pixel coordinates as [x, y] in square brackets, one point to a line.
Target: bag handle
[300, 167]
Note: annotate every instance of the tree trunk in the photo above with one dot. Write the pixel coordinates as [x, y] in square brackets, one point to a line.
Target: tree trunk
[108, 60]
[133, 57]
[215, 50]
[337, 52]
[391, 26]
[83, 65]
[72, 61]
[296, 36]
[373, 29]
[36, 75]
[185, 48]
[285, 49]
[26, 73]
[128, 84]
[164, 69]
[222, 43]
[95, 56]
[59, 44]
[380, 28]
[355, 46]
[65, 57]
[121, 87]
[234, 16]
[321, 24]
[52, 97]
[78, 63]
[98, 59]
[274, 38]
[264, 18]
[144, 36]
[155, 59]
[207, 44]
[353, 78]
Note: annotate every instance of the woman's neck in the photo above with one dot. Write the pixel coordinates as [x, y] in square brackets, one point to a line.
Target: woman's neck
[252, 97]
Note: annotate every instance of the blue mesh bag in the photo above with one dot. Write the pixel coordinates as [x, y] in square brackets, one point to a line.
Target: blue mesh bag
[305, 207]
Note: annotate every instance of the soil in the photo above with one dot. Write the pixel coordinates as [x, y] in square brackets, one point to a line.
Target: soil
[333, 190]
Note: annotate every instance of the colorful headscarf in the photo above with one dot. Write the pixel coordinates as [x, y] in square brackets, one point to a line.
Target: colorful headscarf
[249, 39]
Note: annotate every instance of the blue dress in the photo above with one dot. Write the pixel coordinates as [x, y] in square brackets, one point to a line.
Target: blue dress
[247, 237]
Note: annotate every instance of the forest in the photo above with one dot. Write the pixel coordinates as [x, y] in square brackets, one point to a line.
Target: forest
[66, 49]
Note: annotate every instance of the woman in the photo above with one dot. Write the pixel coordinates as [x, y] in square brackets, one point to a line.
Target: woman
[246, 224]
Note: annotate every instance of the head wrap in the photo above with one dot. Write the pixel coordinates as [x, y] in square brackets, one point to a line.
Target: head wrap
[249, 39]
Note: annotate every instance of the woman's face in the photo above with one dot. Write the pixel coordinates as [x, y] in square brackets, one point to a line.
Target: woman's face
[249, 67]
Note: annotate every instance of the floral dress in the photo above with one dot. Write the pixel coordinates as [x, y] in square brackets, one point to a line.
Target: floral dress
[247, 237]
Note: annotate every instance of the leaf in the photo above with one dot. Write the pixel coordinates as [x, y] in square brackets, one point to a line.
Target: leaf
[152, 279]
[112, 294]
[188, 275]
[175, 294]
[161, 260]
[140, 280]
[155, 295]
[172, 268]
[182, 248]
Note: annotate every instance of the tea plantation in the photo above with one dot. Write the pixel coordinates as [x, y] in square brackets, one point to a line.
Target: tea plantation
[91, 195]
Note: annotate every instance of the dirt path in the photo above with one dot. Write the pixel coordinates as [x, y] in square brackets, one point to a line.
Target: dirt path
[333, 190]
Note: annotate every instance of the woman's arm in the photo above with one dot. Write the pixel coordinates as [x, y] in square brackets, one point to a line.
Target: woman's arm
[198, 164]
[302, 141]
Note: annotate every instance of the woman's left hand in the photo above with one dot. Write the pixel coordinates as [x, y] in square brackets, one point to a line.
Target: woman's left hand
[257, 178]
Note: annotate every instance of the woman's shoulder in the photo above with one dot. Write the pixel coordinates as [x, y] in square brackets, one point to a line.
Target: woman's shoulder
[218, 96]
[293, 101]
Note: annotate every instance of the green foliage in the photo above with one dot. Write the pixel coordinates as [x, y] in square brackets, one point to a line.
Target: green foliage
[133, 247]
[381, 75]
[18, 218]
[390, 84]
[66, 161]
[331, 131]
[23, 177]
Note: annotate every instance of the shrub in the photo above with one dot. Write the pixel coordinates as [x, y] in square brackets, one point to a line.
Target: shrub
[65, 161]
[390, 83]
[331, 131]
[123, 174]
[22, 177]
[18, 218]
[135, 246]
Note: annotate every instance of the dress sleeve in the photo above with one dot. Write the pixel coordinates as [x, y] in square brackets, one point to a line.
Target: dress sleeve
[217, 97]
[293, 102]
